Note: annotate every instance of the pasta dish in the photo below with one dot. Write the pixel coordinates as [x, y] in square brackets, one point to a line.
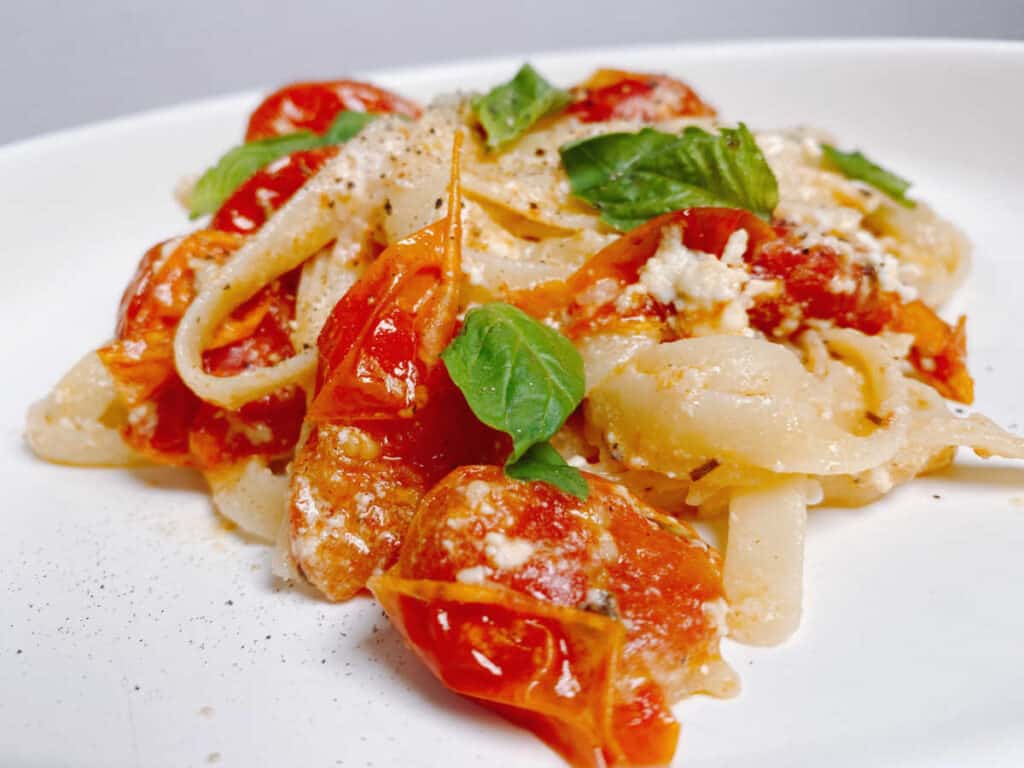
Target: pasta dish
[491, 358]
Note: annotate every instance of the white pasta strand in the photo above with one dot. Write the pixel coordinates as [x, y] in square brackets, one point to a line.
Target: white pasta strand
[300, 229]
[763, 575]
[78, 422]
[338, 203]
[251, 496]
[741, 401]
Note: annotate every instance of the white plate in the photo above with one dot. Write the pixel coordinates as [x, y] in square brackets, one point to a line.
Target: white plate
[137, 631]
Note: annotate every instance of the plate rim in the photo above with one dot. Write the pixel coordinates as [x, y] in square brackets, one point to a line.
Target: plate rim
[727, 47]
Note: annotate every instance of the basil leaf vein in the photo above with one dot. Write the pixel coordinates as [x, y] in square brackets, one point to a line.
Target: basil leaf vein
[508, 110]
[633, 177]
[520, 377]
[855, 165]
[238, 164]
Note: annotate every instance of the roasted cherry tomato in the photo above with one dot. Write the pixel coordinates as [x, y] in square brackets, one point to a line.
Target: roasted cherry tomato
[618, 265]
[268, 189]
[939, 353]
[313, 107]
[582, 621]
[816, 283]
[167, 422]
[386, 420]
[612, 94]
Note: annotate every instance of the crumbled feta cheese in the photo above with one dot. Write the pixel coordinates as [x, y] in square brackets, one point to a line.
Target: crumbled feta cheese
[506, 552]
[694, 280]
[717, 614]
[475, 575]
[735, 247]
[680, 276]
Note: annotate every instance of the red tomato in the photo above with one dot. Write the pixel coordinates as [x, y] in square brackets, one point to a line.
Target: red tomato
[387, 420]
[167, 422]
[268, 189]
[611, 94]
[313, 107]
[817, 283]
[384, 336]
[704, 229]
[939, 353]
[524, 597]
[812, 278]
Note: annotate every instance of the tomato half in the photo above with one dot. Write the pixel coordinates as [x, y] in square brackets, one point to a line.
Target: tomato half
[386, 420]
[582, 621]
[612, 94]
[312, 106]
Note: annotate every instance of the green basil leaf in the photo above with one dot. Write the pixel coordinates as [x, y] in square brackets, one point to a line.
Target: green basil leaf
[633, 177]
[518, 375]
[507, 111]
[542, 462]
[238, 164]
[854, 165]
[346, 125]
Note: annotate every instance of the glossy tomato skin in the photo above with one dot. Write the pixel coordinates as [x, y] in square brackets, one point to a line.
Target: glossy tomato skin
[386, 421]
[497, 574]
[313, 106]
[167, 423]
[268, 189]
[618, 95]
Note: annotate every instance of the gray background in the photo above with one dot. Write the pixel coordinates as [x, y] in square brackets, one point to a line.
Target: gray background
[67, 62]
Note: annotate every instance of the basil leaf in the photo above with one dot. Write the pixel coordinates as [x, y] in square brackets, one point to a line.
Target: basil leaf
[854, 165]
[518, 375]
[507, 111]
[346, 125]
[542, 462]
[238, 164]
[633, 177]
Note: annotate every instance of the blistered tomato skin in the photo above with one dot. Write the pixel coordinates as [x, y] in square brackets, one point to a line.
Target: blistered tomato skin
[594, 612]
[612, 94]
[313, 106]
[167, 422]
[386, 421]
[268, 189]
